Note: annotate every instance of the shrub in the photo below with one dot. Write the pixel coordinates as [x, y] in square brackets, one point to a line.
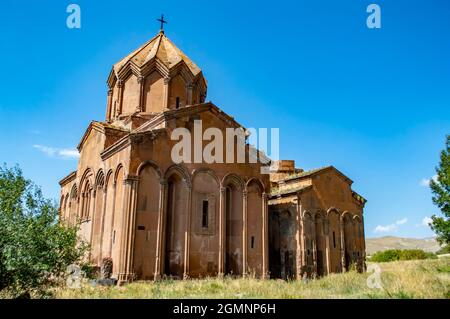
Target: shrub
[401, 254]
[444, 250]
[387, 255]
[35, 249]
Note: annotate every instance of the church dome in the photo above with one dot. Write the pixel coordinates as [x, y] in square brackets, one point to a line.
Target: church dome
[159, 48]
[154, 78]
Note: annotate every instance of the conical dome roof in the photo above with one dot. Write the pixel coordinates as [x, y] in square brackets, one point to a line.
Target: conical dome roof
[161, 48]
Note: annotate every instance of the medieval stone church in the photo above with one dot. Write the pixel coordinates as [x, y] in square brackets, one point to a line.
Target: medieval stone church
[155, 218]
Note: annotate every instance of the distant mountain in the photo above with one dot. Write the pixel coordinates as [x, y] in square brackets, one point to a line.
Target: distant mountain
[391, 242]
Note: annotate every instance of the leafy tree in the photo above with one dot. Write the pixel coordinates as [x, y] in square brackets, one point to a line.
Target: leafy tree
[441, 197]
[35, 249]
[401, 254]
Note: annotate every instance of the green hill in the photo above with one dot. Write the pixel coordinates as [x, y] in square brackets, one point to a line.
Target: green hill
[391, 242]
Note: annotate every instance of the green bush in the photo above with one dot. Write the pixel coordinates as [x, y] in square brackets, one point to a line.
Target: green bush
[35, 249]
[444, 250]
[401, 254]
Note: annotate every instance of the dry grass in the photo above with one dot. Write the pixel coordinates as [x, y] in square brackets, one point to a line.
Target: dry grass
[402, 279]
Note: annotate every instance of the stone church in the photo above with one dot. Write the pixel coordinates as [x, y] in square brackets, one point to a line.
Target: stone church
[155, 218]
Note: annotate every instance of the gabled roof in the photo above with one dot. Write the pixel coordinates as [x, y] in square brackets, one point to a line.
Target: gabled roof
[163, 49]
[277, 192]
[99, 127]
[316, 171]
[191, 109]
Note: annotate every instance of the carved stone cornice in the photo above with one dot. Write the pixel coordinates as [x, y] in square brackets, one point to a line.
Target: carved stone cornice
[131, 179]
[113, 149]
[72, 176]
[136, 138]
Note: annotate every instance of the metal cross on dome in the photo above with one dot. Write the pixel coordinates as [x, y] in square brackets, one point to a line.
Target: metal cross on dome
[162, 22]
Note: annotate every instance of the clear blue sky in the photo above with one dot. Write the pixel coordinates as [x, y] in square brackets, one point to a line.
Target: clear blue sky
[373, 103]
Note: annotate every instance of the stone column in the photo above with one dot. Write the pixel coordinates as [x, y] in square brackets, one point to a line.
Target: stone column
[265, 237]
[300, 238]
[103, 222]
[112, 220]
[160, 231]
[327, 244]
[187, 233]
[166, 93]
[92, 218]
[120, 85]
[222, 230]
[363, 244]
[82, 206]
[141, 82]
[78, 204]
[341, 228]
[244, 233]
[314, 246]
[109, 105]
[128, 230]
[189, 89]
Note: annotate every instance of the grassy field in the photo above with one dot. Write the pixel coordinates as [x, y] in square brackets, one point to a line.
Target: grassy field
[402, 279]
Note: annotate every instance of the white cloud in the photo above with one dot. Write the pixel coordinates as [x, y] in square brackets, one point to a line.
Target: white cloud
[69, 153]
[63, 153]
[391, 227]
[385, 229]
[426, 221]
[426, 181]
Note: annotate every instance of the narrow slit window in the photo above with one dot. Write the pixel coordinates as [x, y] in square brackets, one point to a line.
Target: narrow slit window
[334, 240]
[114, 237]
[177, 102]
[205, 208]
[253, 242]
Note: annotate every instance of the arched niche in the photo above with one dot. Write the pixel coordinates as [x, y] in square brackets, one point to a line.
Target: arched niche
[175, 221]
[321, 232]
[204, 240]
[335, 240]
[254, 226]
[233, 188]
[146, 227]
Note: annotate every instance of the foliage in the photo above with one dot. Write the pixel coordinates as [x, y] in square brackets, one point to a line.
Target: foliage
[35, 249]
[400, 279]
[441, 197]
[401, 254]
[444, 250]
